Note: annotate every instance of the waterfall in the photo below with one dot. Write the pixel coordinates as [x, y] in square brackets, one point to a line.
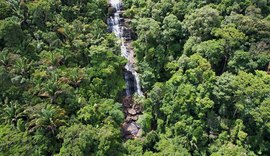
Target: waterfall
[117, 26]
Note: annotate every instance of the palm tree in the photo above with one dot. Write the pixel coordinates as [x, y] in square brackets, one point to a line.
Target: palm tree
[22, 66]
[12, 112]
[48, 119]
[4, 59]
[76, 76]
[52, 88]
[15, 4]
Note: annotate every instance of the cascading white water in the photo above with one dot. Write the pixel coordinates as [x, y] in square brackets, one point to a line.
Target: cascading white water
[126, 51]
[131, 110]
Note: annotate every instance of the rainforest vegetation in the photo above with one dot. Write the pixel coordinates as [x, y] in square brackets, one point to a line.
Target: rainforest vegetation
[202, 66]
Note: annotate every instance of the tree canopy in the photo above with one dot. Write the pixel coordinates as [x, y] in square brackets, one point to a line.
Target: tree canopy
[202, 66]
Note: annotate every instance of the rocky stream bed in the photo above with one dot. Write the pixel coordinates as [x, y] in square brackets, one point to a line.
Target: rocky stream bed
[119, 25]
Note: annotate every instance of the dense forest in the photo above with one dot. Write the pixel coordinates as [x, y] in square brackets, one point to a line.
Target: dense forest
[202, 66]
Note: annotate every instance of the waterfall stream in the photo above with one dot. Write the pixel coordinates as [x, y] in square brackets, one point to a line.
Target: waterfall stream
[118, 25]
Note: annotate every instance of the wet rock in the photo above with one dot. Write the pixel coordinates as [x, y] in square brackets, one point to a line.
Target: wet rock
[133, 128]
[132, 111]
[127, 102]
[127, 120]
[130, 128]
[138, 108]
[134, 118]
[125, 111]
[131, 118]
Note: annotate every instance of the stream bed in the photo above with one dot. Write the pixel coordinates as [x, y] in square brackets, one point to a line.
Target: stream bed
[118, 25]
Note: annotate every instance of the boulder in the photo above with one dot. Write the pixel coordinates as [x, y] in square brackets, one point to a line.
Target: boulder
[132, 111]
[132, 128]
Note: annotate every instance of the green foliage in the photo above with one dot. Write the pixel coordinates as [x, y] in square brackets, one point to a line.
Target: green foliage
[100, 111]
[78, 140]
[5, 9]
[14, 142]
[150, 141]
[171, 28]
[56, 60]
[148, 30]
[134, 147]
[11, 33]
[202, 21]
[201, 66]
[41, 12]
[145, 122]
[204, 92]
[230, 149]
[212, 50]
[171, 147]
[242, 61]
[233, 37]
[48, 119]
